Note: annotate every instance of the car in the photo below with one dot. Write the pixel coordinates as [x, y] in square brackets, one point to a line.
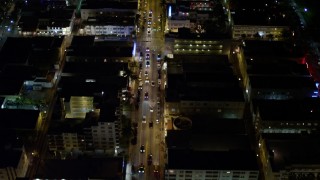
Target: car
[149, 159]
[149, 31]
[158, 65]
[147, 64]
[152, 83]
[146, 80]
[141, 169]
[150, 15]
[150, 124]
[147, 49]
[146, 95]
[158, 56]
[149, 22]
[144, 119]
[157, 121]
[142, 149]
[148, 56]
[146, 73]
[151, 109]
[156, 172]
[159, 81]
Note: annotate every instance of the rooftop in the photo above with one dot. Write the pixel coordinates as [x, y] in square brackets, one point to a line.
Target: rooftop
[286, 150]
[10, 149]
[289, 110]
[282, 82]
[179, 89]
[120, 21]
[19, 119]
[93, 168]
[279, 67]
[101, 4]
[268, 49]
[211, 160]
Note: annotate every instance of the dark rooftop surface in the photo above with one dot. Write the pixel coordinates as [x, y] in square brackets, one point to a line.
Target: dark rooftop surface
[10, 149]
[289, 110]
[273, 49]
[18, 119]
[119, 21]
[207, 125]
[282, 82]
[95, 168]
[292, 149]
[248, 12]
[78, 87]
[17, 50]
[95, 68]
[100, 51]
[82, 41]
[210, 134]
[180, 89]
[10, 86]
[278, 68]
[100, 4]
[210, 160]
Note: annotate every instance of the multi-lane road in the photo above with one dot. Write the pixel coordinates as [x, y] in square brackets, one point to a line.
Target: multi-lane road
[147, 155]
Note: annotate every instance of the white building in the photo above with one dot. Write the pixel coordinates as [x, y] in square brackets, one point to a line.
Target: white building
[175, 24]
[108, 26]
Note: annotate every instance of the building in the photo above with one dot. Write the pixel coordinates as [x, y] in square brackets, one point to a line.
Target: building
[54, 21]
[258, 20]
[90, 107]
[116, 26]
[85, 168]
[290, 156]
[191, 81]
[35, 64]
[287, 116]
[99, 51]
[98, 131]
[194, 15]
[207, 134]
[205, 165]
[95, 7]
[14, 160]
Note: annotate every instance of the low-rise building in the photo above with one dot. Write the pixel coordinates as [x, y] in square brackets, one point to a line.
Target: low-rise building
[287, 116]
[257, 20]
[94, 8]
[84, 168]
[116, 26]
[290, 156]
[14, 160]
[214, 165]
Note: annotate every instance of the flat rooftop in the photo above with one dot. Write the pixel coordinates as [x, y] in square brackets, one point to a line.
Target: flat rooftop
[178, 89]
[94, 168]
[289, 110]
[264, 12]
[282, 82]
[211, 160]
[254, 48]
[262, 67]
[101, 4]
[286, 150]
[19, 119]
